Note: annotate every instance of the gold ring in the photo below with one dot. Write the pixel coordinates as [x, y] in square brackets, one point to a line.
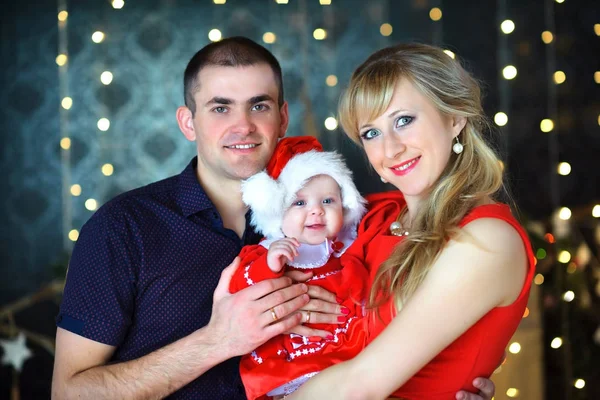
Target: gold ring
[273, 314]
[307, 317]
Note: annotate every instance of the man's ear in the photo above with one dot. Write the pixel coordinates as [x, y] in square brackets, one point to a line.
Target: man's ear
[185, 120]
[458, 124]
[285, 118]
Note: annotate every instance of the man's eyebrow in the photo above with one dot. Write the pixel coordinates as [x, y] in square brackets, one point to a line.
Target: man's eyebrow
[219, 100]
[259, 98]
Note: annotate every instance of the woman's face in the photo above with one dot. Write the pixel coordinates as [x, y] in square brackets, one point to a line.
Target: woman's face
[409, 145]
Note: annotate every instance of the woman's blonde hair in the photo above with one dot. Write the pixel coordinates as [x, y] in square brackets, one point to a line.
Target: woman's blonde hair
[468, 178]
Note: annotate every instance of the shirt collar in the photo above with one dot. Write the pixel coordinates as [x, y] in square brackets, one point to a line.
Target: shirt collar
[191, 196]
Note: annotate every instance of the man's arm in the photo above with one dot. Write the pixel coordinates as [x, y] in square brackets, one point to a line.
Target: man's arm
[239, 323]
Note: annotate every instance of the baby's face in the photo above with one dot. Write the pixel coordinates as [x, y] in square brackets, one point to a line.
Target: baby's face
[317, 213]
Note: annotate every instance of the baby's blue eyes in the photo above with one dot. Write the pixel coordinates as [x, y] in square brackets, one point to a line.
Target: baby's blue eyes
[299, 203]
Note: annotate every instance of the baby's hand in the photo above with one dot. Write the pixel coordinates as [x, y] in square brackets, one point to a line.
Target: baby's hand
[280, 252]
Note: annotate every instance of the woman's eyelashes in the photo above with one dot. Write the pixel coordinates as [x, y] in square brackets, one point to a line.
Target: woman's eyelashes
[399, 122]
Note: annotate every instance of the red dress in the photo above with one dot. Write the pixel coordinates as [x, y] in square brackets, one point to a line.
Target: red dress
[478, 351]
[286, 361]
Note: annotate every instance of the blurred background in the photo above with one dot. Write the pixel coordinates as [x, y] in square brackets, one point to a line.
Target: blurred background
[87, 111]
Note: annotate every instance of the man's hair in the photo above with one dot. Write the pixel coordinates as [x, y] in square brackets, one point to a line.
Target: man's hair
[236, 51]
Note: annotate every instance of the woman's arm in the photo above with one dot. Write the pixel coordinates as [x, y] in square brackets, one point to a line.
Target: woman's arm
[472, 275]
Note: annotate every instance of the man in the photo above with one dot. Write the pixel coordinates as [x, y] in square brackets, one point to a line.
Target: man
[146, 312]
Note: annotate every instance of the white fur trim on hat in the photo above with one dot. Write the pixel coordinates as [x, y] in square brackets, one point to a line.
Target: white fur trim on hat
[269, 198]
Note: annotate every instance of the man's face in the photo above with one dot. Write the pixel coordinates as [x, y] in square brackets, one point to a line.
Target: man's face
[237, 121]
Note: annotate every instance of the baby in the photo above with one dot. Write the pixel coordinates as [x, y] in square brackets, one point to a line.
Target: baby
[308, 208]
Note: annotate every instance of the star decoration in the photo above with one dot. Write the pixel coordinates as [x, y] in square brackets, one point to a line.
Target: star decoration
[15, 352]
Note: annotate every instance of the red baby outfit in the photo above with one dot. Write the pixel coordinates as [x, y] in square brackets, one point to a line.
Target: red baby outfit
[287, 361]
[477, 352]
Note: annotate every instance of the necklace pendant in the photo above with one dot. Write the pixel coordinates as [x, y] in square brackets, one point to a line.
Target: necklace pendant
[396, 229]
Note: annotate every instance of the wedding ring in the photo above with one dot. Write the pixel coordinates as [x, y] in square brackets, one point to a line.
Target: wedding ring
[307, 320]
[273, 314]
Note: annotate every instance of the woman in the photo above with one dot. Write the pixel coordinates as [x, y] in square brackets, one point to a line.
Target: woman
[450, 266]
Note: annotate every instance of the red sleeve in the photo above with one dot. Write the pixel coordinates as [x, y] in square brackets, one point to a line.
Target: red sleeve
[253, 268]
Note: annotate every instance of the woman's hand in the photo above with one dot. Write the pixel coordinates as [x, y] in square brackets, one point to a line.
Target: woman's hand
[486, 387]
[323, 307]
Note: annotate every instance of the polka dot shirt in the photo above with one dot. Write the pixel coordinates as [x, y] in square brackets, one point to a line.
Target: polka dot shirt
[143, 272]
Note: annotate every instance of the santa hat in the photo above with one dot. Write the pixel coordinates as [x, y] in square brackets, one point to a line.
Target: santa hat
[297, 159]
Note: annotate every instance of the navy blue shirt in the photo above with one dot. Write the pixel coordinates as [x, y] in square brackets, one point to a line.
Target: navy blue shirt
[143, 272]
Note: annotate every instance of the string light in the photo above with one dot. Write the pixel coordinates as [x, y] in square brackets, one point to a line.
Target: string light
[386, 29]
[65, 143]
[564, 168]
[74, 235]
[547, 37]
[597, 29]
[559, 77]
[564, 257]
[548, 237]
[556, 343]
[539, 279]
[118, 4]
[435, 14]
[325, 2]
[579, 384]
[501, 119]
[61, 59]
[540, 254]
[97, 37]
[571, 268]
[76, 190]
[107, 169]
[514, 348]
[509, 72]
[560, 1]
[547, 125]
[597, 76]
[214, 35]
[319, 33]
[106, 77]
[281, 1]
[219, 1]
[91, 204]
[569, 296]
[331, 123]
[269, 37]
[67, 103]
[62, 16]
[450, 53]
[596, 211]
[526, 313]
[103, 124]
[512, 392]
[564, 213]
[507, 26]
[331, 80]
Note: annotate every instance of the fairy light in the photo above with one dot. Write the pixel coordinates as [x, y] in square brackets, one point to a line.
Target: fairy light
[509, 72]
[319, 34]
[269, 37]
[435, 14]
[579, 384]
[214, 35]
[540, 254]
[539, 279]
[97, 37]
[501, 119]
[546, 125]
[597, 29]
[331, 123]
[564, 257]
[67, 103]
[331, 80]
[61, 59]
[512, 392]
[103, 124]
[74, 235]
[556, 343]
[507, 26]
[91, 204]
[108, 169]
[547, 37]
[559, 77]
[219, 1]
[65, 143]
[118, 4]
[106, 77]
[76, 190]
[571, 268]
[450, 53]
[526, 313]
[62, 16]
[281, 1]
[569, 296]
[325, 2]
[514, 348]
[564, 168]
[564, 213]
[597, 77]
[386, 29]
[596, 211]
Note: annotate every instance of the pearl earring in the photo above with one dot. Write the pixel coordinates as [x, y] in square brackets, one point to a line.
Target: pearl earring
[458, 147]
[382, 180]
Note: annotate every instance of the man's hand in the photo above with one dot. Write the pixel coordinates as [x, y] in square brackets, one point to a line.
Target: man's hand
[243, 321]
[323, 307]
[280, 252]
[486, 387]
